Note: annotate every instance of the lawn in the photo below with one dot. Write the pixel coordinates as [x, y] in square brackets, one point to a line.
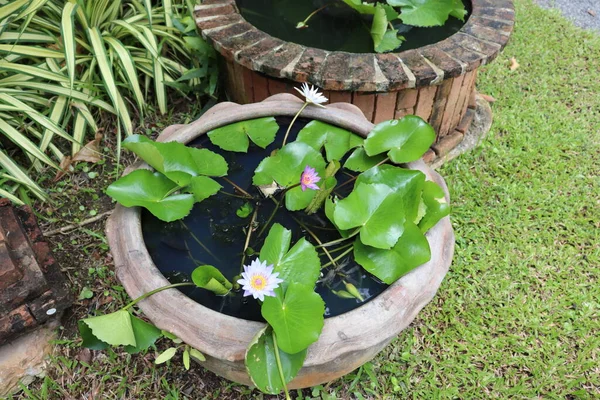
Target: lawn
[518, 315]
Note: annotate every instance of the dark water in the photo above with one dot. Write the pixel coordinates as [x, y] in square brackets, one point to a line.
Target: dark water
[337, 28]
[178, 248]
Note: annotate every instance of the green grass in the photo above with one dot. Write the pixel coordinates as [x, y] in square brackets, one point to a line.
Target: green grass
[518, 315]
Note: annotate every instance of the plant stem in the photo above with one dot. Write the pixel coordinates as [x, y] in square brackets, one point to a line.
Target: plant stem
[160, 289]
[354, 177]
[312, 14]
[232, 195]
[339, 240]
[332, 262]
[170, 192]
[248, 235]
[292, 123]
[237, 187]
[198, 241]
[265, 226]
[280, 367]
[316, 238]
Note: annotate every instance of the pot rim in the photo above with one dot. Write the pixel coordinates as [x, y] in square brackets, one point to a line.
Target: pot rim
[479, 41]
[227, 337]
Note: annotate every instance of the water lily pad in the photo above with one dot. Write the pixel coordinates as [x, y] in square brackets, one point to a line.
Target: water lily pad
[296, 317]
[337, 141]
[145, 335]
[359, 161]
[261, 363]
[234, 137]
[425, 12]
[436, 206]
[149, 190]
[114, 328]
[210, 278]
[202, 187]
[411, 250]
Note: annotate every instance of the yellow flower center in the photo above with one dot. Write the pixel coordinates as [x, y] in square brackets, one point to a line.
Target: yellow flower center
[306, 179]
[258, 282]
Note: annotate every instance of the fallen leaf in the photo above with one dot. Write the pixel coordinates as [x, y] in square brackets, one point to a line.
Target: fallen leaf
[65, 164]
[591, 12]
[84, 355]
[513, 64]
[487, 98]
[90, 152]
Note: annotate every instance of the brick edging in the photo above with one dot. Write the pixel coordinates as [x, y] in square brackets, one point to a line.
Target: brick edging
[478, 42]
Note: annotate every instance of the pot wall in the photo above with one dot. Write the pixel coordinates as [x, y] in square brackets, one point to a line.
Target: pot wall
[435, 82]
[346, 342]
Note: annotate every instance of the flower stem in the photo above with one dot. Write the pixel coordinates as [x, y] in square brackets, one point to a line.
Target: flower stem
[248, 235]
[311, 233]
[160, 289]
[198, 241]
[280, 367]
[339, 240]
[338, 258]
[303, 24]
[292, 123]
[248, 195]
[266, 225]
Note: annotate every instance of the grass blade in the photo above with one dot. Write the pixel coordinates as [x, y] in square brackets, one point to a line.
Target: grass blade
[11, 37]
[32, 71]
[161, 93]
[68, 36]
[24, 143]
[32, 51]
[11, 197]
[129, 68]
[11, 8]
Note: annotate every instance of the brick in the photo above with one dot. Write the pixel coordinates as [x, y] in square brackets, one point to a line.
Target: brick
[362, 73]
[9, 270]
[248, 95]
[503, 14]
[439, 104]
[451, 105]
[425, 102]
[488, 49]
[403, 112]
[407, 98]
[277, 86]
[251, 56]
[206, 3]
[340, 97]
[508, 4]
[230, 45]
[17, 320]
[429, 156]
[447, 143]
[385, 107]
[309, 66]
[275, 62]
[463, 98]
[443, 61]
[366, 103]
[485, 33]
[424, 73]
[502, 27]
[206, 12]
[260, 86]
[471, 58]
[391, 67]
[225, 34]
[466, 121]
[214, 23]
[335, 70]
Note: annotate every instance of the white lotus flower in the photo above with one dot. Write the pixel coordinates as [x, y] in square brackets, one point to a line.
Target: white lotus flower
[259, 280]
[312, 95]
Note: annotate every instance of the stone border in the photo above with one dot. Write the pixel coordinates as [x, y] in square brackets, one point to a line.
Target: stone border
[347, 340]
[478, 42]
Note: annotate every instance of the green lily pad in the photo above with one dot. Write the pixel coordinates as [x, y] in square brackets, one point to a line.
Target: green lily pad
[149, 190]
[405, 140]
[89, 340]
[436, 206]
[261, 363]
[300, 264]
[373, 208]
[337, 141]
[359, 161]
[425, 12]
[296, 317]
[145, 335]
[177, 161]
[245, 210]
[234, 137]
[411, 250]
[114, 328]
[210, 278]
[202, 187]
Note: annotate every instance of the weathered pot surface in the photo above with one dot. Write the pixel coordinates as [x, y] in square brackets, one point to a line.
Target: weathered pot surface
[346, 342]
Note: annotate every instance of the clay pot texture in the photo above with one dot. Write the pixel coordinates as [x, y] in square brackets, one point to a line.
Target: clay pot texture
[347, 341]
[435, 82]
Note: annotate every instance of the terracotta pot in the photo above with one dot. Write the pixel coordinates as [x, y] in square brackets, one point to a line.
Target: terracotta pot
[435, 82]
[347, 340]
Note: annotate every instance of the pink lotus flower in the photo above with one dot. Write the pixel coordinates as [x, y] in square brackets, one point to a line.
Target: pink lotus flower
[309, 179]
[259, 280]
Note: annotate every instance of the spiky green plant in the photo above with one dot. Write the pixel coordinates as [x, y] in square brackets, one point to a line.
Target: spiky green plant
[63, 63]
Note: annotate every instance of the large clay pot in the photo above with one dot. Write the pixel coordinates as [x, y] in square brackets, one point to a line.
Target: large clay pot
[347, 341]
[435, 82]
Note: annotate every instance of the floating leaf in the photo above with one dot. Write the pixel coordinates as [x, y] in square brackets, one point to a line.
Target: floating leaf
[261, 363]
[406, 139]
[210, 278]
[114, 328]
[177, 161]
[202, 187]
[436, 205]
[407, 183]
[337, 141]
[301, 264]
[390, 41]
[245, 210]
[145, 335]
[425, 12]
[411, 250]
[373, 208]
[296, 317]
[359, 161]
[165, 355]
[363, 8]
[234, 137]
[149, 190]
[286, 168]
